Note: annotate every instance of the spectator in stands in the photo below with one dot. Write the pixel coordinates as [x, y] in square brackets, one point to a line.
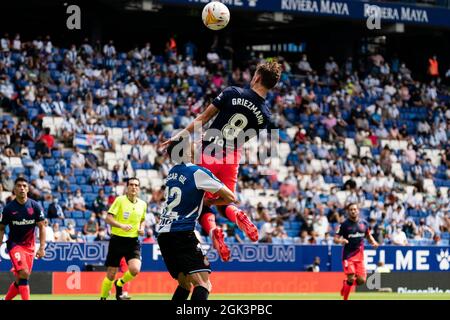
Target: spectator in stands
[102, 235]
[399, 237]
[315, 266]
[91, 160]
[49, 235]
[101, 202]
[7, 183]
[320, 224]
[42, 184]
[304, 66]
[267, 230]
[433, 68]
[435, 219]
[61, 182]
[326, 240]
[69, 234]
[91, 226]
[279, 231]
[55, 211]
[57, 234]
[58, 106]
[78, 201]
[410, 229]
[77, 160]
[100, 177]
[107, 144]
[424, 231]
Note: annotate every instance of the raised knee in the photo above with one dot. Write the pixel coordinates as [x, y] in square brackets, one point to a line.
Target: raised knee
[360, 281]
[205, 284]
[134, 271]
[111, 274]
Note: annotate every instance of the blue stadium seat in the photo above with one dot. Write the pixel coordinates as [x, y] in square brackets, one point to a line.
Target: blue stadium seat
[108, 190]
[87, 214]
[85, 188]
[81, 179]
[77, 214]
[80, 222]
[56, 154]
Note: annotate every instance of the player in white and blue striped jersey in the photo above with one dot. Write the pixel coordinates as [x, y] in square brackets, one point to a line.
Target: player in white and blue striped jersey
[186, 185]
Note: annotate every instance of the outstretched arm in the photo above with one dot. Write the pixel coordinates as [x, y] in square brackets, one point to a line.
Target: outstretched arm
[201, 119]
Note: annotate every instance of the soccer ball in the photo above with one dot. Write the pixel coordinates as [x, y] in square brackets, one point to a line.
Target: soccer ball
[215, 15]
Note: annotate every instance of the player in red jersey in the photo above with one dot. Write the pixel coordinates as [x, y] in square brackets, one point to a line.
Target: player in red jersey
[238, 116]
[22, 215]
[351, 234]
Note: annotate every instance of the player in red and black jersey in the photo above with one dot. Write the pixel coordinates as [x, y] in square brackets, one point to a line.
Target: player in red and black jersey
[237, 115]
[22, 215]
[352, 233]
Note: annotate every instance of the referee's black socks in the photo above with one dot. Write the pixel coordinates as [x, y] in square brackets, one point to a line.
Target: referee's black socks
[180, 294]
[200, 293]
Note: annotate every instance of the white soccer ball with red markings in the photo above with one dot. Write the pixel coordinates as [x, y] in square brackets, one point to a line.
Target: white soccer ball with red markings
[215, 15]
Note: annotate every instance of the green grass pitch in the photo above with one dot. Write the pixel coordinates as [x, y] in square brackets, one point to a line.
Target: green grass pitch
[267, 296]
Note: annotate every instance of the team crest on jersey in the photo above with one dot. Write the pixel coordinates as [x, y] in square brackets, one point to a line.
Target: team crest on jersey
[30, 210]
[126, 215]
[361, 226]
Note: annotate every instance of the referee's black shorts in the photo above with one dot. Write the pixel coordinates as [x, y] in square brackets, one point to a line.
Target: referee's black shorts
[122, 247]
[182, 253]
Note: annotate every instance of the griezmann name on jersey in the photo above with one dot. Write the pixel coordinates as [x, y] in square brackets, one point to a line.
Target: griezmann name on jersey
[22, 220]
[185, 187]
[239, 111]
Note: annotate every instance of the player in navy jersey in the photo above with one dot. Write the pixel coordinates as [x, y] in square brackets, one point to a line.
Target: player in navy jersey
[186, 185]
[22, 215]
[239, 115]
[351, 234]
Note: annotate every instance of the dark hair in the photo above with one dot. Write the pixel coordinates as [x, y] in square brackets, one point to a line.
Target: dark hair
[270, 72]
[20, 179]
[351, 204]
[183, 142]
[133, 178]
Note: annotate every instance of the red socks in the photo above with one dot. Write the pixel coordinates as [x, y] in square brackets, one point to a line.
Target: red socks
[24, 292]
[346, 289]
[230, 212]
[208, 222]
[12, 291]
[126, 287]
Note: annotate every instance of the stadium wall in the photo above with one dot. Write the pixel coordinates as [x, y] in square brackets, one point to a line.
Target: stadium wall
[72, 283]
[408, 282]
[223, 282]
[246, 257]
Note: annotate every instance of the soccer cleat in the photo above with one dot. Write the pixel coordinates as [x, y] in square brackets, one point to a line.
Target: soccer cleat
[219, 244]
[244, 223]
[119, 292]
[125, 296]
[102, 298]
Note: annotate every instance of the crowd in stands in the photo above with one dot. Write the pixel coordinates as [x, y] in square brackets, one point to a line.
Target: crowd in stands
[79, 121]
